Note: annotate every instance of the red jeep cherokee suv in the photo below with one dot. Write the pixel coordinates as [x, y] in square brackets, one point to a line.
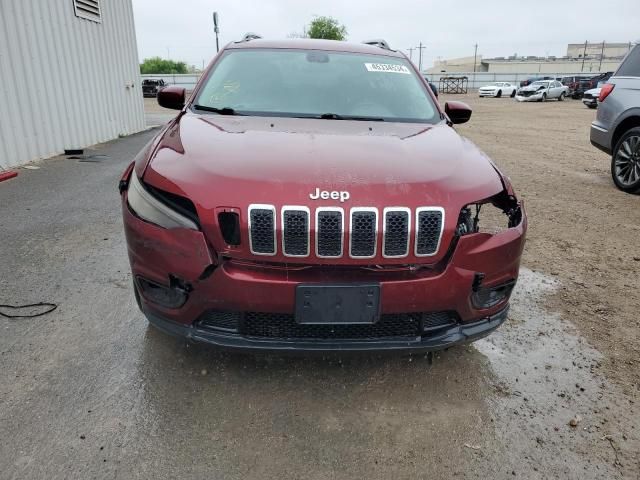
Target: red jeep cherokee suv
[312, 195]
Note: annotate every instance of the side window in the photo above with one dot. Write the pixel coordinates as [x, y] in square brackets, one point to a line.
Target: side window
[631, 65]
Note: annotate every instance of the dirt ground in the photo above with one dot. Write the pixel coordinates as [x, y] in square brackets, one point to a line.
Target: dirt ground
[91, 391]
[582, 230]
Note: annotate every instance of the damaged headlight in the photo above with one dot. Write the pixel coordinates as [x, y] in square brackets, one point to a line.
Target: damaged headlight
[149, 208]
[492, 216]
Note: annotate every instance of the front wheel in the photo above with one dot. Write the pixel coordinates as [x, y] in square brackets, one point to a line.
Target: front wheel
[625, 162]
[499, 94]
[513, 93]
[561, 97]
[544, 98]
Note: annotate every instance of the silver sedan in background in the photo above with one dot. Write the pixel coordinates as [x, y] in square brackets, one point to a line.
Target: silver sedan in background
[542, 90]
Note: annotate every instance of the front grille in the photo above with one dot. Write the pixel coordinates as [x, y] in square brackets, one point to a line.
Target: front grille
[364, 233]
[262, 229]
[396, 233]
[429, 224]
[284, 326]
[295, 226]
[291, 229]
[329, 227]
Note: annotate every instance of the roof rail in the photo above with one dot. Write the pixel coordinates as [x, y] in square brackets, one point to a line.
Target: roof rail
[249, 36]
[378, 42]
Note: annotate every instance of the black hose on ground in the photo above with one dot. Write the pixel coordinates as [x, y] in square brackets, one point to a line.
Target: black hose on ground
[50, 308]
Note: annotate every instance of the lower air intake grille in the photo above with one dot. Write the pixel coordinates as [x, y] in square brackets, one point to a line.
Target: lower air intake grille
[396, 237]
[284, 326]
[429, 229]
[218, 320]
[295, 225]
[329, 233]
[262, 230]
[363, 233]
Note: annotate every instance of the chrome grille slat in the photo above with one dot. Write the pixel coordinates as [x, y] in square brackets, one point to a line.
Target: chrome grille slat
[396, 232]
[295, 231]
[329, 232]
[262, 229]
[363, 232]
[429, 225]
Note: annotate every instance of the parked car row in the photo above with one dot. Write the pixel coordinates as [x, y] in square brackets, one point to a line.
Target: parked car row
[537, 91]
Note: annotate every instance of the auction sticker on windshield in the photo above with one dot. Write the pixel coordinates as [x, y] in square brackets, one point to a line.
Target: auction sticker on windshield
[387, 67]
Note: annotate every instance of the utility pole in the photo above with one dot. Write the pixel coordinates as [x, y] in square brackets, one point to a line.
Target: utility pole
[420, 48]
[475, 56]
[584, 54]
[601, 56]
[216, 29]
[411, 53]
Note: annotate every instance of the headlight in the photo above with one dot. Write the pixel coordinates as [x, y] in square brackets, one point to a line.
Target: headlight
[492, 216]
[149, 208]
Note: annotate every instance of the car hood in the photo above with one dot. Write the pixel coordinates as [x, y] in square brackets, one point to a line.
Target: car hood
[533, 88]
[228, 163]
[594, 91]
[235, 161]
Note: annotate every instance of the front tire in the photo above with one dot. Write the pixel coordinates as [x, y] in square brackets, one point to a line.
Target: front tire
[561, 97]
[499, 94]
[625, 162]
[513, 93]
[544, 98]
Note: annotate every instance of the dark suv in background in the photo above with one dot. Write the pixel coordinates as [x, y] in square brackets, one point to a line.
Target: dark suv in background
[587, 83]
[616, 129]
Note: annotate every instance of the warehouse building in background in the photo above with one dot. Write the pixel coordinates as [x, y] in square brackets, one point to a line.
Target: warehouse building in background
[586, 57]
[69, 76]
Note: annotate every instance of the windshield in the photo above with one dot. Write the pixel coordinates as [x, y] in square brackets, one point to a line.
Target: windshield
[541, 84]
[312, 83]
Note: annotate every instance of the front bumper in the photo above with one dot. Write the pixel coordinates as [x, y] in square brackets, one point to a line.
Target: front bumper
[183, 257]
[455, 335]
[530, 98]
[590, 102]
[491, 93]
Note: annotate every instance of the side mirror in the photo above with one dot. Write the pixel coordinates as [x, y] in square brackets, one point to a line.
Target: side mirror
[457, 112]
[172, 97]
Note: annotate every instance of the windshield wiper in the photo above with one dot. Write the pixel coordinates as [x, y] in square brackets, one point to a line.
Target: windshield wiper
[220, 111]
[335, 116]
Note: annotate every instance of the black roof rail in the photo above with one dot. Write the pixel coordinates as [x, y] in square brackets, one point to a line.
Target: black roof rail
[378, 42]
[249, 36]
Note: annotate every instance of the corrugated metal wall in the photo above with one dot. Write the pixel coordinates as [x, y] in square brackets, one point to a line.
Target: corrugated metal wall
[65, 82]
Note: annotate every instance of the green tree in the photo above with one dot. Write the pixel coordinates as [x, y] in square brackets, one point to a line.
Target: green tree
[160, 65]
[327, 28]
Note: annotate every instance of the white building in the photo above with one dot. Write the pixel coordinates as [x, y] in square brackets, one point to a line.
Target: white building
[69, 76]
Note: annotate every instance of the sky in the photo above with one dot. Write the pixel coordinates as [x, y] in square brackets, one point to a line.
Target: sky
[447, 28]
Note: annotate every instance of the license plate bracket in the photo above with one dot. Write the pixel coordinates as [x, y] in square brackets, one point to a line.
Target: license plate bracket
[337, 304]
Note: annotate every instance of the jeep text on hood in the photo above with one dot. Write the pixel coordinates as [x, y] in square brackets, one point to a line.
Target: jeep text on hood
[313, 195]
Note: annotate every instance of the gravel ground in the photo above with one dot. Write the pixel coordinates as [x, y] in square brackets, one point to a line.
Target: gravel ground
[90, 391]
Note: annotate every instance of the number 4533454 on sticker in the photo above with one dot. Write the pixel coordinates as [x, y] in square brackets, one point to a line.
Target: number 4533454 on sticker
[387, 68]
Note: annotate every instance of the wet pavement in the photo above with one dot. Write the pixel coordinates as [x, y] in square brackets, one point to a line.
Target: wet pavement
[90, 391]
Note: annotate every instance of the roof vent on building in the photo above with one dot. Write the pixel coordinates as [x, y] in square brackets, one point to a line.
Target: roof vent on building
[88, 9]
